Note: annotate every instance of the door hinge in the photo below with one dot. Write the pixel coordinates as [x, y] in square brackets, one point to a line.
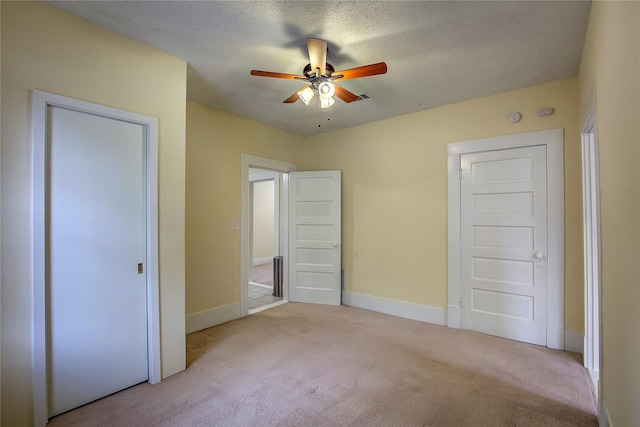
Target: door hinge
[461, 305]
[462, 173]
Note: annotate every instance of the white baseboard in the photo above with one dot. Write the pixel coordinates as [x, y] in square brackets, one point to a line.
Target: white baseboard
[408, 310]
[208, 318]
[594, 380]
[262, 261]
[604, 420]
[574, 341]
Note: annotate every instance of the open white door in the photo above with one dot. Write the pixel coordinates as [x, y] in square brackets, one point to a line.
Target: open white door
[315, 245]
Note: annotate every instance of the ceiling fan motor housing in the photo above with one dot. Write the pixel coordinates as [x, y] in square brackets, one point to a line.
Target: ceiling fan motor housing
[311, 74]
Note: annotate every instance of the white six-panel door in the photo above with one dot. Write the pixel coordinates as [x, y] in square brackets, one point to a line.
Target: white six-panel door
[315, 237]
[96, 240]
[504, 243]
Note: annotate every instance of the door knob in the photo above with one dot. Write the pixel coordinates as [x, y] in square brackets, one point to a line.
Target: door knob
[539, 255]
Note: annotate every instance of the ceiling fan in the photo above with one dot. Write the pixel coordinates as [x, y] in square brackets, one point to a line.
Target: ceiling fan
[320, 76]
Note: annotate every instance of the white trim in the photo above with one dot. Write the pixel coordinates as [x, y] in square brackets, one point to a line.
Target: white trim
[263, 176]
[594, 380]
[604, 419]
[592, 257]
[408, 310]
[247, 161]
[574, 341]
[284, 210]
[454, 315]
[212, 317]
[553, 140]
[39, 102]
[454, 265]
[258, 162]
[250, 231]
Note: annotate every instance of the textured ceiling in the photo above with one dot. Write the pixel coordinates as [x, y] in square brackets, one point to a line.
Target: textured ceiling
[437, 53]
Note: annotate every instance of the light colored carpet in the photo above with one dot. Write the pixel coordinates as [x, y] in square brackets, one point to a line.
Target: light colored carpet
[311, 365]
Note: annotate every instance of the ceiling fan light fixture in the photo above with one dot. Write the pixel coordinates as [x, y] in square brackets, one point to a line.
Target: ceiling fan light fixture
[326, 102]
[326, 90]
[306, 94]
[319, 74]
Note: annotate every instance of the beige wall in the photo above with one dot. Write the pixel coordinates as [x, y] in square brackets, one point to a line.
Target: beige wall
[394, 183]
[610, 63]
[263, 220]
[394, 180]
[43, 48]
[215, 142]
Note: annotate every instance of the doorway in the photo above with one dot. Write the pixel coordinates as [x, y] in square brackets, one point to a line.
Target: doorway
[591, 235]
[460, 304]
[310, 237]
[78, 237]
[248, 163]
[264, 231]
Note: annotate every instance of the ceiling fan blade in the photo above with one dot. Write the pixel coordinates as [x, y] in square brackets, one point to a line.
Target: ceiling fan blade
[344, 94]
[277, 75]
[293, 98]
[317, 55]
[364, 71]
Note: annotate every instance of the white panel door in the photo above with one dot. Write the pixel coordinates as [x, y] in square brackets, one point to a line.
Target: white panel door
[96, 237]
[504, 243]
[315, 237]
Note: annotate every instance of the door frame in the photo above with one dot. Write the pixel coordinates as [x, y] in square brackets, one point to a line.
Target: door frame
[40, 100]
[592, 247]
[250, 161]
[553, 140]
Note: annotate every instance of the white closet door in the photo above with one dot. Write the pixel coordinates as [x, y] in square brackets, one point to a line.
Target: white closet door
[96, 249]
[504, 243]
